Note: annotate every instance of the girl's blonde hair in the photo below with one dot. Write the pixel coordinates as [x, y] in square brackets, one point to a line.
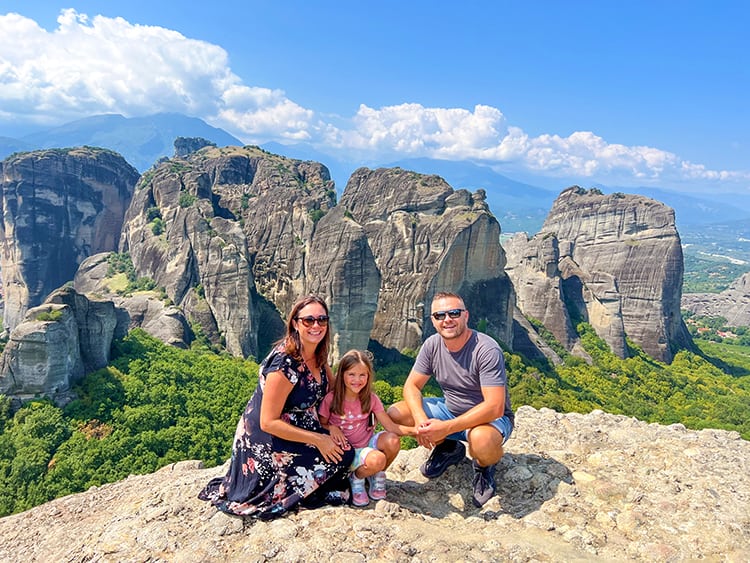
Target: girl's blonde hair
[348, 361]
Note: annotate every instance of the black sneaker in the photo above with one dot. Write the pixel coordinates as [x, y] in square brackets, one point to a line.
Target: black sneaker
[448, 453]
[483, 485]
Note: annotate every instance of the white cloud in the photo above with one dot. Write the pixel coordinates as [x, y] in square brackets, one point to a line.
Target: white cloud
[263, 113]
[105, 65]
[414, 129]
[588, 155]
[410, 130]
[108, 65]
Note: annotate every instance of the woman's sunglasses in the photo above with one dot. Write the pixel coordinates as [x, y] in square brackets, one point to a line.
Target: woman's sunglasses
[453, 314]
[322, 320]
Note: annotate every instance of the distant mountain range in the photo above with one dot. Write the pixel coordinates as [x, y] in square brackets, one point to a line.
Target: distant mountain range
[519, 206]
[523, 206]
[140, 140]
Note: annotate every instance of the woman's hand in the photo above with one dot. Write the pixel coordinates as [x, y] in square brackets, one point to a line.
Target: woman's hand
[329, 449]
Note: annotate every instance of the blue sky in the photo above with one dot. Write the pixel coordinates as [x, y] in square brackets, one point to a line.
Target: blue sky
[619, 93]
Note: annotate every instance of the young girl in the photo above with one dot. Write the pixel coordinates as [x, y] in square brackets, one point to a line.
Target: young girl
[347, 411]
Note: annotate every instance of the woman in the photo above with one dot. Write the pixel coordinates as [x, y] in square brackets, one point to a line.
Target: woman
[282, 457]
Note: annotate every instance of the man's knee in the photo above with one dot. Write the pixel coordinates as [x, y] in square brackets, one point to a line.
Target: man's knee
[485, 444]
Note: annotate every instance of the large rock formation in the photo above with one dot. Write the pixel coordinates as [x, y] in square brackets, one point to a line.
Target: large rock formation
[232, 236]
[426, 237]
[56, 344]
[141, 309]
[618, 266]
[533, 265]
[183, 146]
[59, 206]
[342, 267]
[42, 356]
[571, 487]
[733, 303]
[235, 235]
[224, 227]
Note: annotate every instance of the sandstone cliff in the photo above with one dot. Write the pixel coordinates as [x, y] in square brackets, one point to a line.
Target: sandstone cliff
[59, 206]
[733, 303]
[426, 237]
[224, 227]
[236, 234]
[533, 265]
[342, 267]
[57, 343]
[612, 260]
[571, 487]
[142, 309]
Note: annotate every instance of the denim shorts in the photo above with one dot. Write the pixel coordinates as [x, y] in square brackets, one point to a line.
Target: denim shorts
[434, 407]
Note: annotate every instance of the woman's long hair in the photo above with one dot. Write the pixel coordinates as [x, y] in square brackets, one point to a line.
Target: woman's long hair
[350, 359]
[291, 341]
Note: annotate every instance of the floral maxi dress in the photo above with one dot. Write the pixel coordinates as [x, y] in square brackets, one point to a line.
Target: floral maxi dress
[269, 476]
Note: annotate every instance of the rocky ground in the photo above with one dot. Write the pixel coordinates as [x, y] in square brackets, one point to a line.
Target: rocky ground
[572, 487]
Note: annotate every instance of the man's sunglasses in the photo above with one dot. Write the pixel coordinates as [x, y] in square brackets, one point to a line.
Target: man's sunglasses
[322, 320]
[453, 314]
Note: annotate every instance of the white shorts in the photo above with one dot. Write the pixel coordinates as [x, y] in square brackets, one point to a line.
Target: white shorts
[361, 453]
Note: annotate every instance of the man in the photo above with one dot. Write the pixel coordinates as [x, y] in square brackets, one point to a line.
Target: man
[470, 369]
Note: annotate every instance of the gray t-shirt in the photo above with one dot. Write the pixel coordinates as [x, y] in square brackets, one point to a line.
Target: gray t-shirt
[461, 375]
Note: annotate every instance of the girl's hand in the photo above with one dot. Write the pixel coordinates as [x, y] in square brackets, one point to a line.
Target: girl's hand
[329, 449]
[408, 430]
[337, 435]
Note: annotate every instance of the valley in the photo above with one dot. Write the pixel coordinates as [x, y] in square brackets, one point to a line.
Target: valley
[715, 255]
